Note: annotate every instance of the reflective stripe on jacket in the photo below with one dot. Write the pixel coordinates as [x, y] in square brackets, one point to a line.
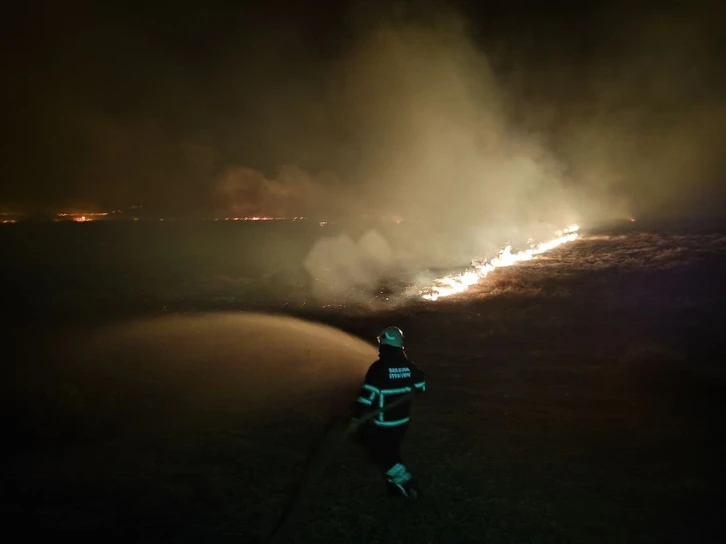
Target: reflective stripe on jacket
[392, 376]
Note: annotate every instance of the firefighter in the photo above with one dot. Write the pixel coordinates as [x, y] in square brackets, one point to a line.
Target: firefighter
[391, 378]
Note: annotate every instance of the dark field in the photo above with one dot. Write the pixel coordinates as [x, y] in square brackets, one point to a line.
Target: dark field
[578, 397]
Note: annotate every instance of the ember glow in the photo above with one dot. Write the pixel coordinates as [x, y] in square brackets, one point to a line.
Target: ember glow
[454, 284]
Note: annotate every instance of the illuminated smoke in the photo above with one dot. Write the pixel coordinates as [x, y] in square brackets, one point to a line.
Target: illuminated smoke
[339, 265]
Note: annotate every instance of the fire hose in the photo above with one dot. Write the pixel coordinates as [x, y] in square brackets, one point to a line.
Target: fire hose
[318, 459]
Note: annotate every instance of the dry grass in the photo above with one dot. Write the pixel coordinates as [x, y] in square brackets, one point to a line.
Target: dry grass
[587, 410]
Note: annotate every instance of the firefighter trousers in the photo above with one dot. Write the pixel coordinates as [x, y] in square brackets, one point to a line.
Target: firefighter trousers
[383, 444]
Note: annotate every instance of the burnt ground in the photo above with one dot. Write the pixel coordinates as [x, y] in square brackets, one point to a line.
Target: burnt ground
[575, 398]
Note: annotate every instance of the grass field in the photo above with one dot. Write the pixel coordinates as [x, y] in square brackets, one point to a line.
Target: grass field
[575, 398]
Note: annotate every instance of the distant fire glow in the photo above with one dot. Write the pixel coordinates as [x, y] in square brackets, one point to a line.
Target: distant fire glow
[83, 217]
[454, 284]
[256, 218]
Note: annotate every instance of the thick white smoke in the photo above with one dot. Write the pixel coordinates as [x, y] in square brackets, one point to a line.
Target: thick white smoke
[338, 264]
[443, 155]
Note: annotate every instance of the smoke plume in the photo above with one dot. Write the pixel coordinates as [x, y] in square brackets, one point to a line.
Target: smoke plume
[474, 126]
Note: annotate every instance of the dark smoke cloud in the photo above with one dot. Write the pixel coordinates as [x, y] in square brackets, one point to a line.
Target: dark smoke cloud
[292, 192]
[470, 112]
[653, 113]
[481, 125]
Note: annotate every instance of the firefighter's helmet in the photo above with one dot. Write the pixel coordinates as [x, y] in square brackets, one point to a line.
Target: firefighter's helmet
[391, 336]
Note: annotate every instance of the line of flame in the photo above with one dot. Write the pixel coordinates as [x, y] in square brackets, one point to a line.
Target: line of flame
[454, 284]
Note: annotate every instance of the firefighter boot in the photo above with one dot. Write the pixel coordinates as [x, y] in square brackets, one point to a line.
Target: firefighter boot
[400, 482]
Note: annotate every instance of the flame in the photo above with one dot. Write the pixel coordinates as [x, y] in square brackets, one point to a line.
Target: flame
[81, 217]
[454, 284]
[263, 218]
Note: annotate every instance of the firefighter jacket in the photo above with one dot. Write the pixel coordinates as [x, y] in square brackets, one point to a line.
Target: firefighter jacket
[391, 377]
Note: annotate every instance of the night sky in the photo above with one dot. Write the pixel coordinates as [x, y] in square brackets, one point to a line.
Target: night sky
[271, 107]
